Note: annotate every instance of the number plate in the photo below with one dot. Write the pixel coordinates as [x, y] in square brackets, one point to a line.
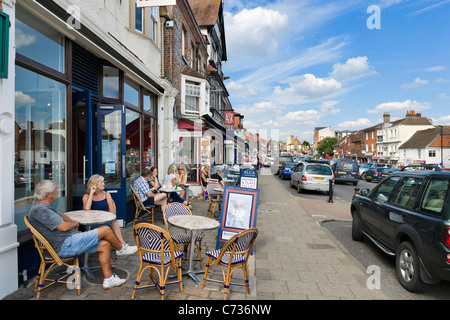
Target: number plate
[320, 179]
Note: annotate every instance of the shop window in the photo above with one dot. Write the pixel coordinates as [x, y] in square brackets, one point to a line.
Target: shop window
[149, 142]
[131, 93]
[38, 41]
[133, 150]
[111, 82]
[40, 139]
[150, 102]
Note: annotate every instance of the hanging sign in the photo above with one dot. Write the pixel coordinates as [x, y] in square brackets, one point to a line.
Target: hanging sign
[155, 3]
[229, 118]
[4, 44]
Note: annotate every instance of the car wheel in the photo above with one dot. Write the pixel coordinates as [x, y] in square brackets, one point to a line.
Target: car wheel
[355, 183]
[356, 227]
[368, 180]
[290, 184]
[408, 269]
[299, 190]
[363, 175]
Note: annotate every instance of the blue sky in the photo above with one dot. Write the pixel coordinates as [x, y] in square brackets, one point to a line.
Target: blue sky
[299, 64]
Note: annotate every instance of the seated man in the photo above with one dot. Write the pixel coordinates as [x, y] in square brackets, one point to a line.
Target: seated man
[142, 188]
[63, 235]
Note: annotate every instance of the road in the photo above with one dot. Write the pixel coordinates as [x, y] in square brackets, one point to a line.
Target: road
[338, 222]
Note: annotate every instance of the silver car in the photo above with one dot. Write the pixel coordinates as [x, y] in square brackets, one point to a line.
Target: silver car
[312, 176]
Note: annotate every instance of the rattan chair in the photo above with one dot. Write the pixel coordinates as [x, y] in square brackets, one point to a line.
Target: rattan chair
[157, 252]
[141, 207]
[234, 253]
[182, 240]
[50, 257]
[214, 197]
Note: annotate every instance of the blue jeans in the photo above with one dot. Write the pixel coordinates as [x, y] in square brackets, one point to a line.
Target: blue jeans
[176, 197]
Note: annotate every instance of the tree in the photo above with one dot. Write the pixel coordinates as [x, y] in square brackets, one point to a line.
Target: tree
[305, 143]
[326, 146]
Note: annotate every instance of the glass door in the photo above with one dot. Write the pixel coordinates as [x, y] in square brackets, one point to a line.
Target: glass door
[82, 145]
[111, 154]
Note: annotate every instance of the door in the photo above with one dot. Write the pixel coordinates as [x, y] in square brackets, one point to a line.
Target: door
[110, 153]
[82, 145]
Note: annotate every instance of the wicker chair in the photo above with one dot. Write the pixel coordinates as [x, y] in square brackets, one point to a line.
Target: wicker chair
[50, 257]
[214, 197]
[182, 240]
[141, 207]
[234, 253]
[157, 252]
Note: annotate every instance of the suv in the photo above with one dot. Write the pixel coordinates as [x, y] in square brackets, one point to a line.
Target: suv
[407, 215]
[345, 170]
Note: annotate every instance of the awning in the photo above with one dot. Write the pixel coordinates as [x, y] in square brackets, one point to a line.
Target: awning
[214, 123]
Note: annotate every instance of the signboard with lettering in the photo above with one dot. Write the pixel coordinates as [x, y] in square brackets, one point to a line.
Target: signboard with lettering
[155, 3]
[229, 118]
[249, 179]
[239, 209]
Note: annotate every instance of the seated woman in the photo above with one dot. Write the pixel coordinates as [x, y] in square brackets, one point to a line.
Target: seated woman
[171, 180]
[96, 198]
[154, 181]
[205, 175]
[181, 177]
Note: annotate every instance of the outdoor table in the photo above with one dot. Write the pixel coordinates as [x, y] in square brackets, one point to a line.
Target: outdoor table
[89, 218]
[194, 224]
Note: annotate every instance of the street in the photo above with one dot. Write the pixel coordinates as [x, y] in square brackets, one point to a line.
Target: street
[338, 223]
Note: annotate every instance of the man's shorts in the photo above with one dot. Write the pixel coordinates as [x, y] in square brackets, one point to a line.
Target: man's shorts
[78, 243]
[150, 201]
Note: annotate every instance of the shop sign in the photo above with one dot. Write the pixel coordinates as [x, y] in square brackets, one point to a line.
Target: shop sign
[155, 3]
[4, 44]
[229, 118]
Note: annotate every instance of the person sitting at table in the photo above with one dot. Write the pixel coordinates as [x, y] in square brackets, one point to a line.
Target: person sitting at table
[205, 175]
[145, 193]
[171, 180]
[218, 177]
[153, 180]
[63, 235]
[96, 198]
[181, 177]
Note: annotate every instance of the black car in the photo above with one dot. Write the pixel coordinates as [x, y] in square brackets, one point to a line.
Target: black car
[407, 215]
[375, 174]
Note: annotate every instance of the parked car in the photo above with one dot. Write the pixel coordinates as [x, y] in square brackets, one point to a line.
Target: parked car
[376, 174]
[421, 167]
[363, 168]
[281, 160]
[345, 170]
[286, 170]
[312, 176]
[407, 215]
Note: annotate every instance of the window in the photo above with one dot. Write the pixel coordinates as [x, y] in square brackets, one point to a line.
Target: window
[110, 82]
[39, 41]
[383, 191]
[432, 153]
[139, 19]
[131, 93]
[132, 146]
[150, 102]
[183, 43]
[153, 23]
[192, 97]
[435, 195]
[40, 149]
[407, 192]
[419, 154]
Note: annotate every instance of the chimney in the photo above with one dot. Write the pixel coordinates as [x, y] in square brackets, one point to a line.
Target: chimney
[386, 117]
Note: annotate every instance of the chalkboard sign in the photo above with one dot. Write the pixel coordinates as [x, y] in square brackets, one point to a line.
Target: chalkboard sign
[249, 179]
[239, 209]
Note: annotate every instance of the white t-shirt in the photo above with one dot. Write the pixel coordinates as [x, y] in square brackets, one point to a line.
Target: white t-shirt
[168, 179]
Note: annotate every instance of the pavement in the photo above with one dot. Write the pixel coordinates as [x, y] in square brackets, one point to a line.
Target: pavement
[294, 259]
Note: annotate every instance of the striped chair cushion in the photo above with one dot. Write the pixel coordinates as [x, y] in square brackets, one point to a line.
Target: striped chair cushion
[237, 258]
[155, 258]
[180, 238]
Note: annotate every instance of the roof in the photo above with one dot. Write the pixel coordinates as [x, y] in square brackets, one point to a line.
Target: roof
[424, 138]
[206, 12]
[413, 121]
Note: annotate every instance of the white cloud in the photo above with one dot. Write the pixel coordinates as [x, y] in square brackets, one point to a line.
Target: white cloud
[234, 86]
[22, 98]
[308, 88]
[445, 120]
[353, 67]
[415, 84]
[264, 107]
[400, 106]
[23, 39]
[435, 69]
[360, 123]
[255, 32]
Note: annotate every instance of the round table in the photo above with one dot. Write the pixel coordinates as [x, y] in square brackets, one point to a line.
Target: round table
[193, 224]
[89, 218]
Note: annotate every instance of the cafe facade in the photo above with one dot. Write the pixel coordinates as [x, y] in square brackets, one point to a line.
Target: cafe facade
[83, 94]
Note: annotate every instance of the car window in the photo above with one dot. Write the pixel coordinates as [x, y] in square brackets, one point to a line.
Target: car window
[384, 189]
[285, 159]
[290, 165]
[320, 170]
[347, 165]
[434, 198]
[407, 192]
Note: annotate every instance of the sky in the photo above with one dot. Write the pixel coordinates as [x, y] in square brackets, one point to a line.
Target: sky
[299, 64]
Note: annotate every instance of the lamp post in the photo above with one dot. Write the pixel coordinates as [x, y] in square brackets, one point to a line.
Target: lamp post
[442, 147]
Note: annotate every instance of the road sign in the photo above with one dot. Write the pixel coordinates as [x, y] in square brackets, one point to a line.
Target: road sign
[155, 3]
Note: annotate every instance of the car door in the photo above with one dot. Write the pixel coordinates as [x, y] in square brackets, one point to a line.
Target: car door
[295, 174]
[400, 207]
[373, 207]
